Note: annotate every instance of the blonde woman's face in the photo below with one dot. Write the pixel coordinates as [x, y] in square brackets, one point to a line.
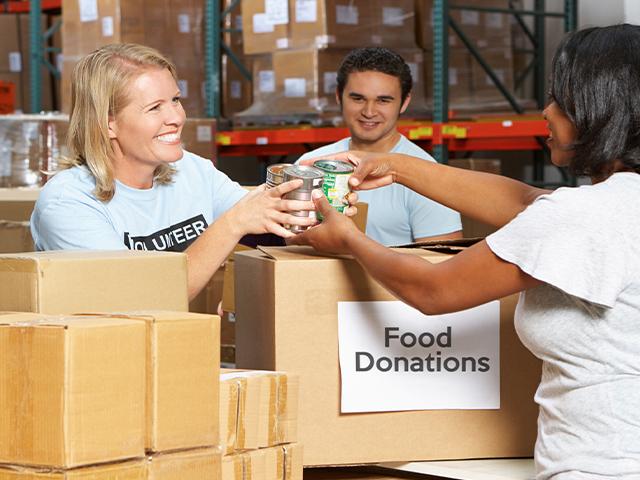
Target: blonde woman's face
[146, 133]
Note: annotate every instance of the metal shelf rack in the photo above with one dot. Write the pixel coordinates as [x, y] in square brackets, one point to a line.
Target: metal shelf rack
[37, 40]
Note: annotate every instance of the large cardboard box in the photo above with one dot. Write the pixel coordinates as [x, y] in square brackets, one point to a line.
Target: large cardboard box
[72, 390]
[89, 281]
[129, 470]
[183, 366]
[196, 464]
[287, 324]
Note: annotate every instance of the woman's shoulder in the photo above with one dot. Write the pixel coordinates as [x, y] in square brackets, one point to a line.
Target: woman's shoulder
[71, 182]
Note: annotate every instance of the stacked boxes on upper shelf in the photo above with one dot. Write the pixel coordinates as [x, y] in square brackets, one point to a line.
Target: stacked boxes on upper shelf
[489, 32]
[175, 28]
[298, 45]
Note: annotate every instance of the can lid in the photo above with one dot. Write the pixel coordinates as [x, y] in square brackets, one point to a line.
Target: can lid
[302, 171]
[335, 166]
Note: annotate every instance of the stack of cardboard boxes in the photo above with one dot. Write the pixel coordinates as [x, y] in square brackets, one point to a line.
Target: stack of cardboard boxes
[174, 27]
[134, 395]
[131, 394]
[258, 426]
[298, 45]
[489, 32]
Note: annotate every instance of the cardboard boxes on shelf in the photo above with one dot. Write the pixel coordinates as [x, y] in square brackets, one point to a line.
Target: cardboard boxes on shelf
[90, 281]
[285, 324]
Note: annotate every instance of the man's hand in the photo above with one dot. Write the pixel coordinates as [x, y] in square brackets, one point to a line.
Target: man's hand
[333, 234]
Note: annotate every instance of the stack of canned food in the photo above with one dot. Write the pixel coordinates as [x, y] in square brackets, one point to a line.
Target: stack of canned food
[330, 176]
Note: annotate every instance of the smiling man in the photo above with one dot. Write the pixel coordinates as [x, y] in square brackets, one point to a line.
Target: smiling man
[373, 89]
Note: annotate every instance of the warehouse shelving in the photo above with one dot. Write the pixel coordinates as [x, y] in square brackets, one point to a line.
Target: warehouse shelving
[494, 133]
[37, 40]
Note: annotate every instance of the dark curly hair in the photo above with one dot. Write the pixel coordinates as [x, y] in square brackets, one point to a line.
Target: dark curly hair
[595, 80]
[376, 59]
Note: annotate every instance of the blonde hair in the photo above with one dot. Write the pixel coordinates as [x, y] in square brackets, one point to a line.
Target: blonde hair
[99, 91]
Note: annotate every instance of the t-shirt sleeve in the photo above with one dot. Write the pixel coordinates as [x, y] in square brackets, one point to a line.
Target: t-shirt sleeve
[429, 218]
[71, 224]
[226, 192]
[554, 241]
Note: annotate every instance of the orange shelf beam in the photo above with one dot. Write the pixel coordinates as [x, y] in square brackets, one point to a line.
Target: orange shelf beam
[25, 6]
[497, 134]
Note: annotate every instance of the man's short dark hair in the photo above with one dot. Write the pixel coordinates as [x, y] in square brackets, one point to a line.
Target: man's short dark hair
[595, 80]
[375, 59]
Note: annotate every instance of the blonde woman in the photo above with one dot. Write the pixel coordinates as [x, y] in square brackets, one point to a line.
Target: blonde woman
[129, 183]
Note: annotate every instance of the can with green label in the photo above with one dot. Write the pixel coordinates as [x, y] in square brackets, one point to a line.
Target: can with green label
[336, 182]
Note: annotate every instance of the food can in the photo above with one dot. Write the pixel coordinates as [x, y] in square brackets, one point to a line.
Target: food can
[275, 174]
[312, 179]
[336, 182]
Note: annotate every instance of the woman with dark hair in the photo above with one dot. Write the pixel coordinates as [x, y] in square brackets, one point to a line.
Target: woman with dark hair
[571, 252]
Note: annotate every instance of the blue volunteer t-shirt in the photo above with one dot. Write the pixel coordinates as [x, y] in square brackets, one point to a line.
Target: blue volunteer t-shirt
[398, 215]
[170, 217]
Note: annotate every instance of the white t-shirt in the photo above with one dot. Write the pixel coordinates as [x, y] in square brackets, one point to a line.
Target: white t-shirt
[68, 216]
[583, 323]
[397, 215]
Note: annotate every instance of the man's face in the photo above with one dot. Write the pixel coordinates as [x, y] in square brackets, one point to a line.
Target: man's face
[371, 103]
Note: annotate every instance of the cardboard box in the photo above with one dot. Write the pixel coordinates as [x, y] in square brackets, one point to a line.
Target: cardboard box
[267, 407]
[229, 406]
[182, 379]
[84, 281]
[459, 73]
[199, 135]
[237, 90]
[394, 24]
[349, 473]
[209, 298]
[306, 80]
[283, 462]
[332, 23]
[15, 237]
[72, 390]
[185, 465]
[130, 470]
[278, 314]
[259, 35]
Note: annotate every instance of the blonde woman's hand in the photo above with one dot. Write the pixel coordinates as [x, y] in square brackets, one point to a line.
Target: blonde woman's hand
[264, 210]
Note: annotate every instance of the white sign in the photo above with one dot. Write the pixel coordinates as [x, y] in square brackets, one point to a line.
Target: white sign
[183, 86]
[15, 62]
[261, 23]
[295, 87]
[393, 16]
[347, 14]
[203, 133]
[330, 82]
[394, 358]
[266, 81]
[184, 23]
[88, 10]
[277, 11]
[306, 11]
[107, 26]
